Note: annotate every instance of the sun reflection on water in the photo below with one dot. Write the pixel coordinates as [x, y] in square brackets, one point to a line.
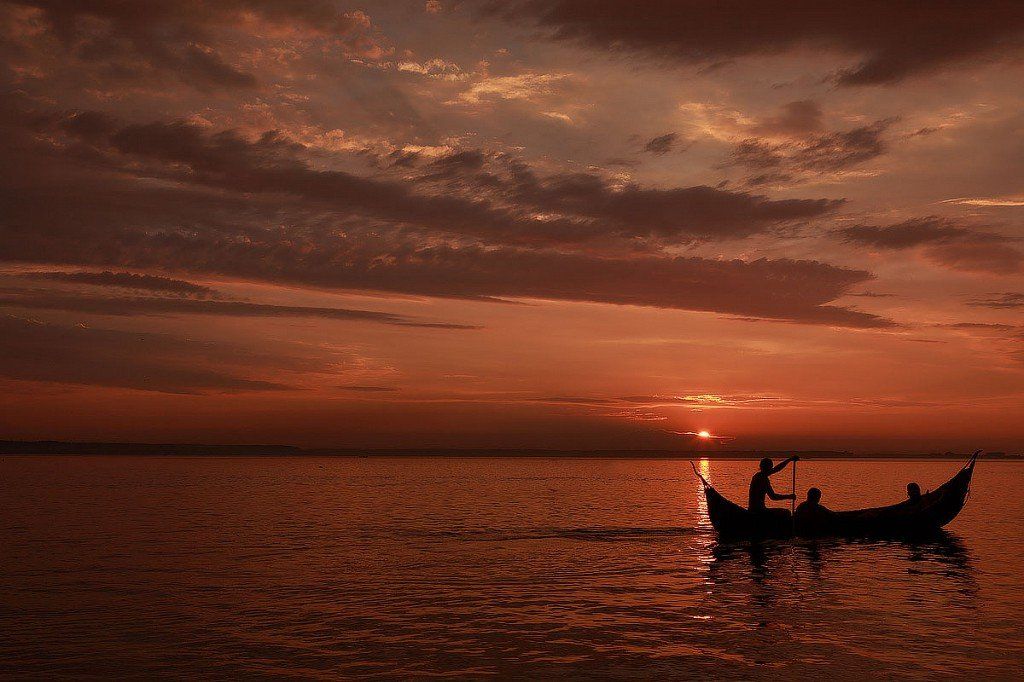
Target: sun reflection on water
[704, 466]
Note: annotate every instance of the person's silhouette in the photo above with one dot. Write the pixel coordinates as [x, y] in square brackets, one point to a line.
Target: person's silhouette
[913, 493]
[811, 516]
[761, 486]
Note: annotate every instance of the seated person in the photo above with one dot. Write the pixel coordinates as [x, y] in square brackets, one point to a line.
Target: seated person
[913, 493]
[811, 517]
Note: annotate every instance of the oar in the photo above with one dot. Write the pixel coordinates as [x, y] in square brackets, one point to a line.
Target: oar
[792, 503]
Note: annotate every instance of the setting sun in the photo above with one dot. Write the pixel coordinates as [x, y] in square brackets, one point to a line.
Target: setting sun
[704, 434]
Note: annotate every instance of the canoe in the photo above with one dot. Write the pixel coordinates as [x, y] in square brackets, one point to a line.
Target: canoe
[934, 510]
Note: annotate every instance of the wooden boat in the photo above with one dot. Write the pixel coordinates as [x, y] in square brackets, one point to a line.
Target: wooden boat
[934, 510]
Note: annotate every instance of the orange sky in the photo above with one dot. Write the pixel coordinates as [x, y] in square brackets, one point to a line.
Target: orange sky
[563, 224]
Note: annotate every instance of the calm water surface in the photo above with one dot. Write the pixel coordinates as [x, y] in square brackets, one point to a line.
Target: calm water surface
[328, 568]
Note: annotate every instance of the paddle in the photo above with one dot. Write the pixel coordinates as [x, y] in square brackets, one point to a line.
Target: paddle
[792, 503]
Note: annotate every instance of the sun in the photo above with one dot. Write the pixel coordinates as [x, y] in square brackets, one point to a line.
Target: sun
[704, 434]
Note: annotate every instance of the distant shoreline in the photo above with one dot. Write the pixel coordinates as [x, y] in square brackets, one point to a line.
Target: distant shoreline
[9, 447]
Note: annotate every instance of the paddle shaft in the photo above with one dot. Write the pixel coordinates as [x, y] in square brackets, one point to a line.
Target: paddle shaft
[792, 503]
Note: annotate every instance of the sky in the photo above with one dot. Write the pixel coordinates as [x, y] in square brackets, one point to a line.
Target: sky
[562, 224]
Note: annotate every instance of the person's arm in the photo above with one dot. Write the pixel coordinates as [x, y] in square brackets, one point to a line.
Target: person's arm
[782, 465]
[777, 497]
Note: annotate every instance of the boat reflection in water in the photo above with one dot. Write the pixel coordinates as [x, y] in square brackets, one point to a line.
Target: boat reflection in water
[943, 553]
[793, 599]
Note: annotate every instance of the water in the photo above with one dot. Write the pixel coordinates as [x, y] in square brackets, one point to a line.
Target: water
[327, 568]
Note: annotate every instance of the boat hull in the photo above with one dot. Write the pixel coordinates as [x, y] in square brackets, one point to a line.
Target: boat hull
[934, 510]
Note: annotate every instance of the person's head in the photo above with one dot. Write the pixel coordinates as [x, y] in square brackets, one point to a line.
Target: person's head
[913, 491]
[766, 465]
[814, 496]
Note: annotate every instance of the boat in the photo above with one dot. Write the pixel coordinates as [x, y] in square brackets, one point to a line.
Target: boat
[934, 510]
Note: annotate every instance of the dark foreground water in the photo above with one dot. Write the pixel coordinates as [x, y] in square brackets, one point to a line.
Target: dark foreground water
[339, 568]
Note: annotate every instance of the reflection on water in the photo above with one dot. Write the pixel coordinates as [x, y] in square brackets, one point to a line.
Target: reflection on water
[521, 568]
[943, 557]
[704, 466]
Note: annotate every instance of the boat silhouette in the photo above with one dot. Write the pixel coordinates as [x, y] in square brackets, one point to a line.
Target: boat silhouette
[931, 512]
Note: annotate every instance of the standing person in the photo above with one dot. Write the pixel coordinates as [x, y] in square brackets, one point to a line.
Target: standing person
[761, 486]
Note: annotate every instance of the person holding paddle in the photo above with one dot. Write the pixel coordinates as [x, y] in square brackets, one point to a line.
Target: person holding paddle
[761, 486]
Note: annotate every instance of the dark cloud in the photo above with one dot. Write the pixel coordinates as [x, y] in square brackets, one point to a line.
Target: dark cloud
[1003, 301]
[178, 306]
[889, 40]
[36, 351]
[821, 153]
[687, 213]
[776, 289]
[254, 210]
[457, 164]
[128, 280]
[836, 151]
[184, 40]
[768, 179]
[370, 389]
[945, 243]
[662, 144]
[979, 256]
[197, 65]
[482, 205]
[916, 232]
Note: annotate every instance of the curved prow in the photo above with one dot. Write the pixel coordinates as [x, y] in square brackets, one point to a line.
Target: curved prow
[949, 498]
[973, 460]
[698, 474]
[961, 482]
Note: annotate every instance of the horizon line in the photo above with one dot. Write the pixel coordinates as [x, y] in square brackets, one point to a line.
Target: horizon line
[130, 448]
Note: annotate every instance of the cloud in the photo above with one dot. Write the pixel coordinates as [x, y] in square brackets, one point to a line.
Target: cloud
[980, 326]
[523, 86]
[500, 206]
[819, 153]
[456, 164]
[686, 213]
[128, 280]
[945, 243]
[662, 144]
[36, 351]
[440, 69]
[987, 201]
[188, 41]
[178, 306]
[775, 289]
[979, 256]
[916, 232]
[176, 197]
[1003, 301]
[888, 41]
